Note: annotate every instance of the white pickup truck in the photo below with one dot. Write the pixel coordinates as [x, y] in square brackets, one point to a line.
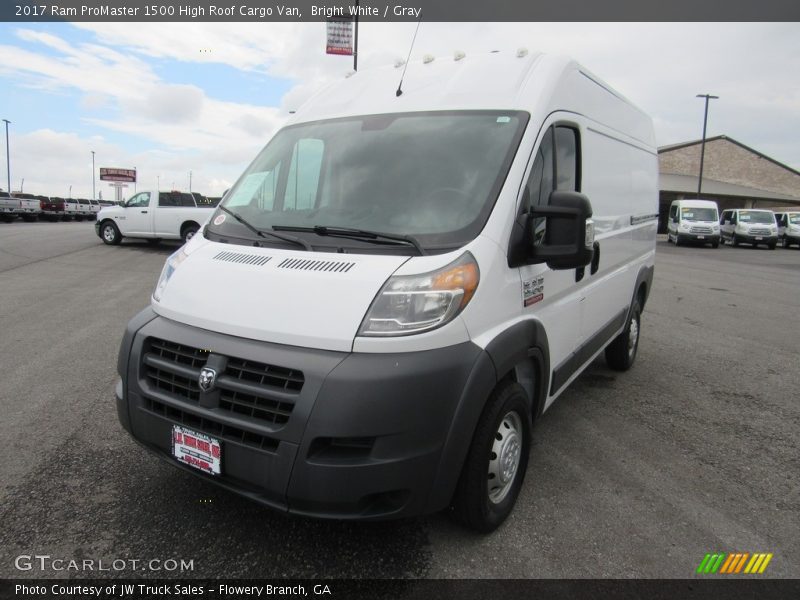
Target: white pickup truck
[153, 216]
[19, 205]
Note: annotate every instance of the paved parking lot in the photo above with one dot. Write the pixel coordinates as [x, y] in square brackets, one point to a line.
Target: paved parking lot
[634, 475]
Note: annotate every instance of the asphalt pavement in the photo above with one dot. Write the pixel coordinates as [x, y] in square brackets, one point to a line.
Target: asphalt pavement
[639, 474]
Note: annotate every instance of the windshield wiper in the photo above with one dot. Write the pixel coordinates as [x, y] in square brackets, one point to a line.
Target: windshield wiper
[265, 233]
[358, 234]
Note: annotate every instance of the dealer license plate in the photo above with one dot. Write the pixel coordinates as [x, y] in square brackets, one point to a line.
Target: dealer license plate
[701, 237]
[759, 238]
[197, 450]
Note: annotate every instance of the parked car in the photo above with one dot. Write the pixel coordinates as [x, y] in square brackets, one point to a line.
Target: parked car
[152, 215]
[8, 207]
[788, 227]
[95, 207]
[749, 226]
[693, 221]
[72, 210]
[356, 334]
[27, 206]
[53, 208]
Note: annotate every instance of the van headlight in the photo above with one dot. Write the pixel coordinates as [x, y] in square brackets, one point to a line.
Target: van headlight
[169, 268]
[409, 304]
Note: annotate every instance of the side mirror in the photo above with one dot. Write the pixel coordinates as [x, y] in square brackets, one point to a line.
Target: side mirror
[675, 219]
[569, 233]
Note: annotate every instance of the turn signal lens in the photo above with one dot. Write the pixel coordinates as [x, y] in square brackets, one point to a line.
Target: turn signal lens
[415, 303]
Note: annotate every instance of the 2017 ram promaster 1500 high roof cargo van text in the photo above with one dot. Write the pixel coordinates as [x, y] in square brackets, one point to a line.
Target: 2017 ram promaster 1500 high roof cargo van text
[397, 287]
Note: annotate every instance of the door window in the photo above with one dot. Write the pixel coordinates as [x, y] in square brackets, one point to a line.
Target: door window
[139, 200]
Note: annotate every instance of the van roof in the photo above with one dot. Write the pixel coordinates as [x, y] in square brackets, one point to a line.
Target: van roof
[531, 82]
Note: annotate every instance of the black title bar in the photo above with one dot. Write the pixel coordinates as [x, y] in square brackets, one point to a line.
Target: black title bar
[399, 10]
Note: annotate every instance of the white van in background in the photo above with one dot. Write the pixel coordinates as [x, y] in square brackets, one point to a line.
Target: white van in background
[397, 287]
[788, 227]
[749, 226]
[693, 221]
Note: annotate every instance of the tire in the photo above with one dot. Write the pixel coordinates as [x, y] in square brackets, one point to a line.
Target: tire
[715, 244]
[188, 232]
[784, 242]
[495, 466]
[621, 353]
[772, 245]
[110, 234]
[677, 240]
[734, 241]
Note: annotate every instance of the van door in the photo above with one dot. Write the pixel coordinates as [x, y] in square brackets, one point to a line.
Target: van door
[550, 296]
[672, 225]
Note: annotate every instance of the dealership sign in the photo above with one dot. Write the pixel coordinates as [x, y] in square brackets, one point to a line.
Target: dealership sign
[126, 175]
[340, 37]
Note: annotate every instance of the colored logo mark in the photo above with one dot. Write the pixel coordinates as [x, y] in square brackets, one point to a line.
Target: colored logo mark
[734, 563]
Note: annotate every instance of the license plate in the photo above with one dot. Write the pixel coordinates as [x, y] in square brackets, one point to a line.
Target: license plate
[197, 450]
[758, 237]
[701, 237]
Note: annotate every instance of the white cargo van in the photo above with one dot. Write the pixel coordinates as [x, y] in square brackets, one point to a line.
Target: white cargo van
[788, 227]
[693, 221]
[397, 287]
[749, 226]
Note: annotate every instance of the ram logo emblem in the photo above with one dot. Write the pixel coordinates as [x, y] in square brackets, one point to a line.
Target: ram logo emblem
[207, 379]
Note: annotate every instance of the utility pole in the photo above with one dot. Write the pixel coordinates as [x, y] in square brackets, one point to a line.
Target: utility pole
[703, 145]
[190, 182]
[94, 195]
[8, 156]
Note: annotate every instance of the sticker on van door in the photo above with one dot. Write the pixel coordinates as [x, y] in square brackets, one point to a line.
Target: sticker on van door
[533, 291]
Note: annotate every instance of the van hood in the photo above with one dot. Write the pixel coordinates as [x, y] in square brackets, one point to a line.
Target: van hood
[310, 299]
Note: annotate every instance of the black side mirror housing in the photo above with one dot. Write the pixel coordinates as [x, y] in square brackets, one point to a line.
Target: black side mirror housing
[567, 244]
[675, 219]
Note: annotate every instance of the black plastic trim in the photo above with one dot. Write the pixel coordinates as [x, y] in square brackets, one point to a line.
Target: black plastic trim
[567, 369]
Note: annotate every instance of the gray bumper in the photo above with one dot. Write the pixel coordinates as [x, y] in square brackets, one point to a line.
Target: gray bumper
[361, 436]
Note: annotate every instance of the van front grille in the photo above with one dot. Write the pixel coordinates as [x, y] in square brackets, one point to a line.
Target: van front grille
[258, 391]
[701, 230]
[759, 231]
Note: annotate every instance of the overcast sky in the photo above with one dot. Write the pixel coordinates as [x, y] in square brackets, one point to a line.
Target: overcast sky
[204, 97]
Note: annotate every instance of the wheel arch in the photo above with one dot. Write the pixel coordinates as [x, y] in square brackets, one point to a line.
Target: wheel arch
[520, 353]
[189, 223]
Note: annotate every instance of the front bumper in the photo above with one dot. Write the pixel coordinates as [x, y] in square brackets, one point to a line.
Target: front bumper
[369, 436]
[769, 240]
[703, 238]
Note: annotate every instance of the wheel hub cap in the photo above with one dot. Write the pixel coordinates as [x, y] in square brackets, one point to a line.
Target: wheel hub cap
[504, 457]
[633, 336]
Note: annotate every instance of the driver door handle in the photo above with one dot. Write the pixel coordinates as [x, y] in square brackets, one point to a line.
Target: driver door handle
[144, 212]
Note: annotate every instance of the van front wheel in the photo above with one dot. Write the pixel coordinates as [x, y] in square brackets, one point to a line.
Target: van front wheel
[621, 353]
[498, 457]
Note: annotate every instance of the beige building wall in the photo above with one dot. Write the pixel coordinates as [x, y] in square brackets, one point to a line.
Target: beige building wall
[730, 162]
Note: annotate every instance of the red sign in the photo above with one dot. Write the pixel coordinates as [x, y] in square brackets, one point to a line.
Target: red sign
[126, 175]
[340, 38]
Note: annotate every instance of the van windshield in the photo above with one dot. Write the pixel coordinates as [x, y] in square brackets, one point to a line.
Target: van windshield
[756, 216]
[434, 176]
[698, 214]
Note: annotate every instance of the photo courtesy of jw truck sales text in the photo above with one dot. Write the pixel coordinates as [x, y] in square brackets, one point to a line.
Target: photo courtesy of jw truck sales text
[352, 334]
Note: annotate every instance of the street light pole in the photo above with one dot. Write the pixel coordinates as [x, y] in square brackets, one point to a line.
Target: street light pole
[94, 195]
[190, 182]
[703, 145]
[8, 156]
[70, 191]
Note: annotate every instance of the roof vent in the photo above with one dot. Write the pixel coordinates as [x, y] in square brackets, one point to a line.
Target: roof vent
[244, 259]
[428, 58]
[304, 264]
[459, 55]
[522, 52]
[399, 63]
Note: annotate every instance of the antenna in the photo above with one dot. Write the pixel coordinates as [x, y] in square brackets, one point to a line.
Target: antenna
[399, 91]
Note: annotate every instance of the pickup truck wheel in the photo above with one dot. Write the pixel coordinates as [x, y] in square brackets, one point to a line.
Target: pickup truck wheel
[621, 353]
[188, 232]
[110, 234]
[498, 457]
